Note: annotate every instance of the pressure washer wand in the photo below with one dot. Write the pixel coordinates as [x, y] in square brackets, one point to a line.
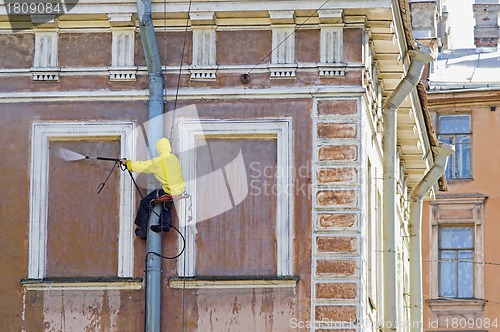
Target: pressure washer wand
[115, 160]
[103, 158]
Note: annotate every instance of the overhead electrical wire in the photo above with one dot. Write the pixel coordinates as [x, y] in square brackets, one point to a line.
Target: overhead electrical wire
[179, 75]
[290, 35]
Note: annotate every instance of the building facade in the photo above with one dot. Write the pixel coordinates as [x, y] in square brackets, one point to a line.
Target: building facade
[460, 252]
[276, 110]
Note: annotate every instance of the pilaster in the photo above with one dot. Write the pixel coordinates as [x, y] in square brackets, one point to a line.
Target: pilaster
[336, 214]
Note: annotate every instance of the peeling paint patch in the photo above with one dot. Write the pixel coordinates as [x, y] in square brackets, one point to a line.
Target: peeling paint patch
[246, 309]
[86, 311]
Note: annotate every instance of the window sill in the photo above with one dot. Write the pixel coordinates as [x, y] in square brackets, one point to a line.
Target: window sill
[447, 305]
[217, 283]
[82, 284]
[458, 180]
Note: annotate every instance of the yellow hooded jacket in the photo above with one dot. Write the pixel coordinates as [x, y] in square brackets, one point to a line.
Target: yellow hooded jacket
[166, 168]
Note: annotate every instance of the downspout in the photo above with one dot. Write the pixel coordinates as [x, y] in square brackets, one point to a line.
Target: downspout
[155, 132]
[418, 61]
[441, 153]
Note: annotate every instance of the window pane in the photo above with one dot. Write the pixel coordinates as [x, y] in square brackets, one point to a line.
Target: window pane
[454, 124]
[447, 274]
[450, 163]
[455, 237]
[465, 273]
[463, 156]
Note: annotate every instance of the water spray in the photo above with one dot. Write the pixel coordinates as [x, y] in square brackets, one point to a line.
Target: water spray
[69, 155]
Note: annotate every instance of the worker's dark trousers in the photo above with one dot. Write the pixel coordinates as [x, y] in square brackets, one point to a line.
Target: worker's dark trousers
[146, 206]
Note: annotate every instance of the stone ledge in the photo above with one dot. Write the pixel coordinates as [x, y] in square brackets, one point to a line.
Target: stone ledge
[82, 284]
[449, 305]
[193, 283]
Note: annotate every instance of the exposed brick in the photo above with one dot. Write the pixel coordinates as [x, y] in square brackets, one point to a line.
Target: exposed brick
[337, 107]
[486, 42]
[338, 152]
[330, 290]
[337, 130]
[337, 197]
[335, 267]
[326, 220]
[335, 313]
[337, 244]
[327, 175]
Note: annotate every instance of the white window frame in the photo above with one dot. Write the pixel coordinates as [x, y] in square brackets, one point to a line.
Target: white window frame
[476, 205]
[190, 129]
[42, 134]
[452, 160]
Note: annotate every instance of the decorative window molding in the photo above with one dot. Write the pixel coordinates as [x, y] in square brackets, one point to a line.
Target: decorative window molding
[204, 65]
[122, 59]
[280, 128]
[283, 56]
[457, 210]
[331, 51]
[42, 134]
[45, 64]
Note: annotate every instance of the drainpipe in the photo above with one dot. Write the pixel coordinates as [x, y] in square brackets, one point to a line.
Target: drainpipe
[155, 132]
[418, 61]
[441, 153]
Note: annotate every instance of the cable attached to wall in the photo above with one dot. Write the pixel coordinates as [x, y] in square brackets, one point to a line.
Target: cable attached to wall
[179, 75]
[246, 75]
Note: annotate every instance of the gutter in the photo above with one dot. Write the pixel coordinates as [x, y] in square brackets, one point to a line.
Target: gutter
[155, 132]
[418, 60]
[441, 153]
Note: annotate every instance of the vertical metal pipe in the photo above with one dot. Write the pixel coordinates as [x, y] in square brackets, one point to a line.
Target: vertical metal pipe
[153, 275]
[419, 59]
[389, 217]
[416, 307]
[155, 132]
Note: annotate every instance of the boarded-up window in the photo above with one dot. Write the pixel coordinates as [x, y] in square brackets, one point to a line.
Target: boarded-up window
[82, 226]
[239, 174]
[242, 240]
[73, 231]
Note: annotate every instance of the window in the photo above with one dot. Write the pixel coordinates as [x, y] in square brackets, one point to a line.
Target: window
[456, 130]
[66, 237]
[456, 253]
[247, 230]
[456, 247]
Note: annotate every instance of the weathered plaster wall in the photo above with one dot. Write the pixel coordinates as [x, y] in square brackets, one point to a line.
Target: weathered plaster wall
[486, 176]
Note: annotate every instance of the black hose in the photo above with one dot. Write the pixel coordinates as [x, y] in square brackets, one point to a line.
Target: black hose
[103, 158]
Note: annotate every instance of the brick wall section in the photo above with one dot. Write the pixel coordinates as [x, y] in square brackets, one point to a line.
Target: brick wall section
[337, 199]
[341, 290]
[344, 174]
[337, 244]
[335, 220]
[341, 153]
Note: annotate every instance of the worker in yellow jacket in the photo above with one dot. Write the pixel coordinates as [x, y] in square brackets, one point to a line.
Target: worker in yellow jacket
[167, 170]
